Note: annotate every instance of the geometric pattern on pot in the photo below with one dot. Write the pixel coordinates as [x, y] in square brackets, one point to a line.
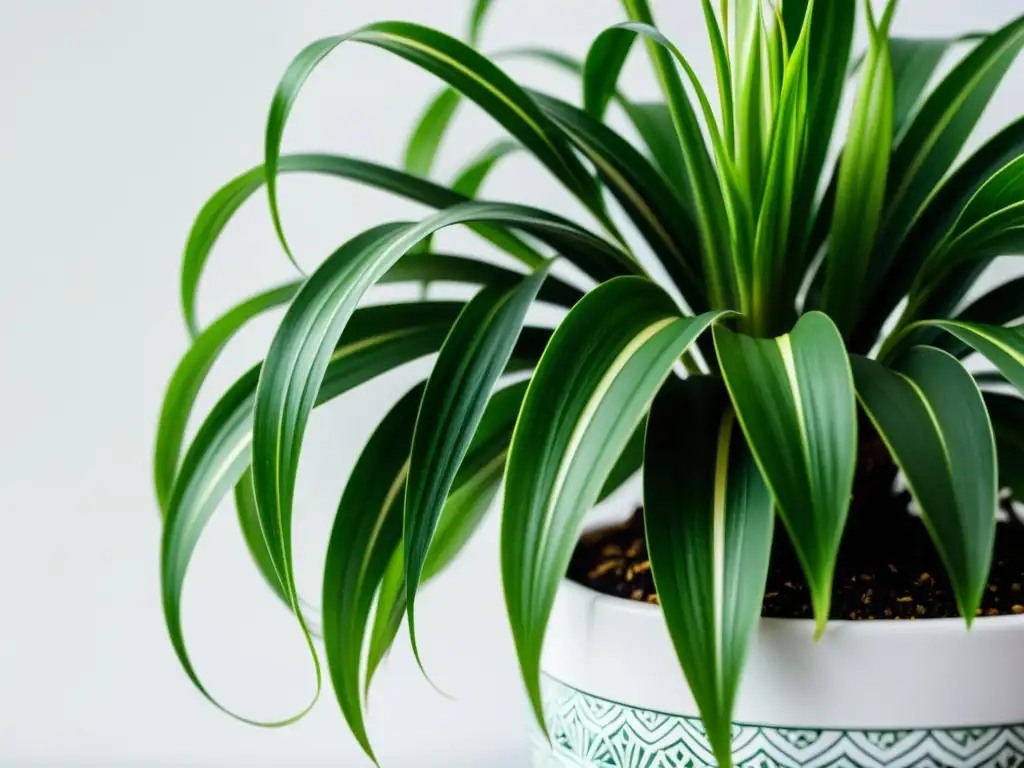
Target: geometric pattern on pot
[591, 732]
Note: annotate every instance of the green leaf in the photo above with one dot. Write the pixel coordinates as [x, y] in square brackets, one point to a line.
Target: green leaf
[1003, 347]
[708, 516]
[426, 138]
[931, 227]
[225, 203]
[647, 199]
[367, 531]
[378, 339]
[937, 134]
[189, 376]
[249, 523]
[302, 346]
[772, 293]
[471, 360]
[653, 123]
[795, 401]
[462, 68]
[723, 71]
[473, 175]
[930, 414]
[752, 116]
[570, 433]
[475, 487]
[860, 191]
[476, 20]
[831, 38]
[1003, 305]
[605, 59]
[914, 61]
[712, 200]
[1007, 415]
[794, 13]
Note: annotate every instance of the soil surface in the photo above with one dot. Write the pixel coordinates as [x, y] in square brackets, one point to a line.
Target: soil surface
[887, 569]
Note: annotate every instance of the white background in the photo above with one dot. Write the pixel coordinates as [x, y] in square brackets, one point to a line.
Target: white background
[117, 120]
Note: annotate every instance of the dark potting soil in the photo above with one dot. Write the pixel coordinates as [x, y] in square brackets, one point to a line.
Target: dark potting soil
[887, 569]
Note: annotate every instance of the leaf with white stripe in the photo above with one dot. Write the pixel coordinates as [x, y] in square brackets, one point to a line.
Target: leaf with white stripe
[931, 415]
[598, 375]
[1004, 347]
[708, 516]
[794, 399]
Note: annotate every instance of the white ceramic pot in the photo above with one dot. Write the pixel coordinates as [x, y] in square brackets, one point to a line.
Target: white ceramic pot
[869, 693]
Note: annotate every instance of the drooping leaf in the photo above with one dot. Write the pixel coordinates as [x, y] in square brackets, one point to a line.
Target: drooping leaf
[860, 191]
[249, 524]
[218, 456]
[302, 346]
[225, 203]
[471, 360]
[461, 67]
[189, 376]
[930, 414]
[795, 401]
[367, 531]
[570, 433]
[605, 59]
[475, 487]
[708, 516]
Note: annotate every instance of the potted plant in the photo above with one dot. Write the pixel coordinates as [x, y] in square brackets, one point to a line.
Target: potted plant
[801, 350]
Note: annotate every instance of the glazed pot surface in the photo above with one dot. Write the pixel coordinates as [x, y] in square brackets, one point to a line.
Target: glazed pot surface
[881, 693]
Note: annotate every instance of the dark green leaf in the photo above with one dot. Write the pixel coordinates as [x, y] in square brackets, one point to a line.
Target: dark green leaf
[226, 202]
[1003, 347]
[795, 401]
[1007, 415]
[473, 357]
[462, 68]
[931, 415]
[605, 60]
[708, 516]
[570, 433]
[367, 531]
[1003, 305]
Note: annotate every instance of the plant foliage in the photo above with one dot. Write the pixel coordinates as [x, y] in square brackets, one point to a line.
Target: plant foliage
[811, 292]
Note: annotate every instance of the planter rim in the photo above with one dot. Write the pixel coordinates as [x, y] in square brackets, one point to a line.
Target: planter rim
[861, 675]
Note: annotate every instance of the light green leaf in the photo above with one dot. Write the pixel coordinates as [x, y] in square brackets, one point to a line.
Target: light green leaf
[219, 210]
[930, 414]
[937, 134]
[708, 516]
[752, 115]
[721, 217]
[462, 68]
[473, 357]
[476, 20]
[425, 141]
[930, 228]
[367, 531]
[773, 293]
[375, 342]
[723, 71]
[860, 191]
[189, 376]
[570, 433]
[249, 524]
[795, 401]
[472, 176]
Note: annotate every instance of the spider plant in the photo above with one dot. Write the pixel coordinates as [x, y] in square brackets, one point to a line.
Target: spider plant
[805, 307]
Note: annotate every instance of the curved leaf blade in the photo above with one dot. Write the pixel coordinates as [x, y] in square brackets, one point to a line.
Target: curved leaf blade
[223, 205]
[709, 519]
[425, 141]
[570, 433]
[794, 398]
[366, 533]
[461, 67]
[602, 68]
[931, 415]
[218, 456]
[472, 359]
[1003, 347]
